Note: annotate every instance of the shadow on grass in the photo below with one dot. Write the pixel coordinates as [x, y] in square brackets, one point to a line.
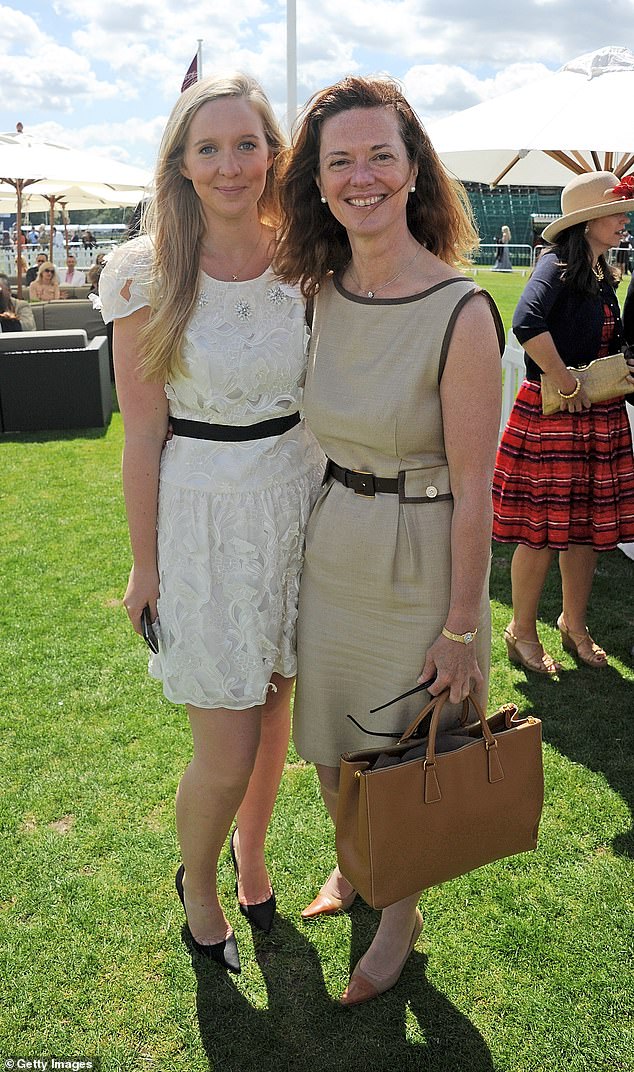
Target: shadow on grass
[587, 714]
[304, 1029]
[55, 435]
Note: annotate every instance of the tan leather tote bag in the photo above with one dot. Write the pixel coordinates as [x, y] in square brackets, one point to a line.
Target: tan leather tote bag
[407, 822]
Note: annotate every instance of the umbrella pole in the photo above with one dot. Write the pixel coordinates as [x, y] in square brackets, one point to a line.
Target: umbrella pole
[624, 166]
[51, 201]
[18, 232]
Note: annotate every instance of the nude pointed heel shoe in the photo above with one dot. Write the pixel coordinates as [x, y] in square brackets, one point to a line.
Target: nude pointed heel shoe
[361, 988]
[328, 904]
[540, 663]
[224, 953]
[582, 646]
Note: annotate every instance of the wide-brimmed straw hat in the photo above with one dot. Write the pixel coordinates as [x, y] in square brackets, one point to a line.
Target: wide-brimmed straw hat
[590, 196]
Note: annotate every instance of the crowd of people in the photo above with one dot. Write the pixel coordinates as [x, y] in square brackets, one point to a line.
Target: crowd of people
[40, 237]
[310, 389]
[46, 282]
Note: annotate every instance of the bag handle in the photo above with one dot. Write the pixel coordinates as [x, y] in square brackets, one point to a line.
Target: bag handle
[429, 710]
[432, 788]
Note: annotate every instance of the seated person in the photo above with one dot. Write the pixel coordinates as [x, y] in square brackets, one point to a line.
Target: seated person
[31, 274]
[46, 286]
[92, 277]
[22, 309]
[72, 277]
[8, 318]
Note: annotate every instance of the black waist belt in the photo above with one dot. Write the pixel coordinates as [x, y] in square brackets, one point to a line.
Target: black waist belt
[362, 483]
[231, 433]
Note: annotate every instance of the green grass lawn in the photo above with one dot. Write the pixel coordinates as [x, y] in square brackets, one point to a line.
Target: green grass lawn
[524, 966]
[507, 287]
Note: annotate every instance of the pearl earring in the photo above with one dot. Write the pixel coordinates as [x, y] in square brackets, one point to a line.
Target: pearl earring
[324, 200]
[412, 189]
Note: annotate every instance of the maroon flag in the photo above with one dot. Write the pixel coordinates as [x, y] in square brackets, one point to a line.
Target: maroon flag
[192, 74]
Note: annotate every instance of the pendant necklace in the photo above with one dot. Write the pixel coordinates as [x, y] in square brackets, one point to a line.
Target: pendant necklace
[235, 276]
[597, 271]
[375, 290]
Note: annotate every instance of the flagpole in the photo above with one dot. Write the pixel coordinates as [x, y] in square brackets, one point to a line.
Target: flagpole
[291, 64]
[200, 58]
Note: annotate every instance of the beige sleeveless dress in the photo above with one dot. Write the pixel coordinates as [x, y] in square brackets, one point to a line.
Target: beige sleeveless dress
[375, 587]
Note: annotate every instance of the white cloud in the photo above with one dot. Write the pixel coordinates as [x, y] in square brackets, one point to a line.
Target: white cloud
[93, 66]
[436, 90]
[36, 72]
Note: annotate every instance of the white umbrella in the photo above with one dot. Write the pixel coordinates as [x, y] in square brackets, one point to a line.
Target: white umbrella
[78, 196]
[535, 136]
[26, 161]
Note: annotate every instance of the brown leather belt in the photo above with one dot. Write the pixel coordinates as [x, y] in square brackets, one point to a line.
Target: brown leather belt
[362, 483]
[424, 485]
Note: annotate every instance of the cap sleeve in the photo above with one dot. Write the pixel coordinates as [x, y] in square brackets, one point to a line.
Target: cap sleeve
[124, 284]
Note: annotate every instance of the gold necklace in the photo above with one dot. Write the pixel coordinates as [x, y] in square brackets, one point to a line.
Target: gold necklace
[375, 290]
[597, 271]
[236, 275]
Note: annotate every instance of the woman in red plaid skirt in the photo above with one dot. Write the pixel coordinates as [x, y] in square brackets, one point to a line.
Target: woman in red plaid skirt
[565, 482]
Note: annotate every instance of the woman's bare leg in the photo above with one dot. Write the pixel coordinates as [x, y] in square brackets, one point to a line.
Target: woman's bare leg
[335, 885]
[577, 566]
[210, 792]
[392, 939]
[256, 808]
[529, 568]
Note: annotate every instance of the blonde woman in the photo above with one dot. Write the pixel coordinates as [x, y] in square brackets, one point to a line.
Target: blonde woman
[46, 286]
[502, 255]
[205, 336]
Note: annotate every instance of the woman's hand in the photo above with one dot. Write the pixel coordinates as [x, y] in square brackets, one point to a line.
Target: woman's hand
[455, 666]
[579, 402]
[142, 591]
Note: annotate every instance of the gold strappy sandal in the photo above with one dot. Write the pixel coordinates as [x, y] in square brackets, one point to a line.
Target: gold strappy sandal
[582, 646]
[540, 663]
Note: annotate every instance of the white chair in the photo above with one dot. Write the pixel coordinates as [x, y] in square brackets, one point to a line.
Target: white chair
[513, 371]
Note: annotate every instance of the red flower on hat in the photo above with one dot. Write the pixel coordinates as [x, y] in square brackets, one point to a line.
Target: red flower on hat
[625, 188]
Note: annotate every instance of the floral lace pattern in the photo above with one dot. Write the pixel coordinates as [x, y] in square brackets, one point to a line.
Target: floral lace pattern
[231, 516]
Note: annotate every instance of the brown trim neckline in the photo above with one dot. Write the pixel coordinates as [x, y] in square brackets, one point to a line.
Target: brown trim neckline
[362, 300]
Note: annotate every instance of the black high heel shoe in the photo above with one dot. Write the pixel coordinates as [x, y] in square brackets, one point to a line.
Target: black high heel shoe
[260, 915]
[224, 953]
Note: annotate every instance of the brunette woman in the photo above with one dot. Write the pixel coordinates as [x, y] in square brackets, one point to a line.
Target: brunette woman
[403, 393]
[564, 483]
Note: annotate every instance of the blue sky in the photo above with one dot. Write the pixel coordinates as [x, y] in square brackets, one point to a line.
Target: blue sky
[104, 74]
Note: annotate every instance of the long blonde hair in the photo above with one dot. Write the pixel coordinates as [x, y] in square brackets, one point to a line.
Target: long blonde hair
[174, 219]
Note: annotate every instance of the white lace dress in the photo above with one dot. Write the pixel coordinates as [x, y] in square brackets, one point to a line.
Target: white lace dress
[231, 516]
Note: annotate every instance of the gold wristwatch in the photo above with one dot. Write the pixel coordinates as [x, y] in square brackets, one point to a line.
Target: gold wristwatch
[462, 638]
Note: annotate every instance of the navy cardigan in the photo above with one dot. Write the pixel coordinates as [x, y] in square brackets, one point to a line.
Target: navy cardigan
[574, 320]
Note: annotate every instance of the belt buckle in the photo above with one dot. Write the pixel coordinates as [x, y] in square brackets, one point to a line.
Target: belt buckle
[365, 485]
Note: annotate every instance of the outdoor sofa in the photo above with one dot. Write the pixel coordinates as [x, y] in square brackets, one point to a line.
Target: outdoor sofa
[54, 380]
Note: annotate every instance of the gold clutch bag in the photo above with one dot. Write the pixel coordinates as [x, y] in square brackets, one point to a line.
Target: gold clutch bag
[603, 379]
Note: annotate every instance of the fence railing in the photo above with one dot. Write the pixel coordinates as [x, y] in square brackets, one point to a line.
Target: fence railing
[85, 257]
[520, 254]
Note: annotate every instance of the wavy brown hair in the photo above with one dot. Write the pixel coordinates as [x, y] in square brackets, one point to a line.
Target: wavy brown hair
[175, 221]
[312, 242]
